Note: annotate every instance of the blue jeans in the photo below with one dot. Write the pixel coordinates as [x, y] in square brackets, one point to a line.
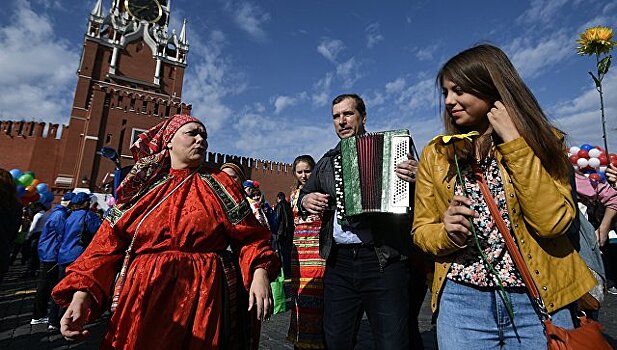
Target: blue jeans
[353, 284]
[476, 318]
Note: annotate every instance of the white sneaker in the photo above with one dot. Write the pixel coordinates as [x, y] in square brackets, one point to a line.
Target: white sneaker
[39, 320]
[612, 290]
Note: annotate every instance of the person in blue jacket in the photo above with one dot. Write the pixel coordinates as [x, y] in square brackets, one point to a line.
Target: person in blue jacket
[80, 227]
[48, 247]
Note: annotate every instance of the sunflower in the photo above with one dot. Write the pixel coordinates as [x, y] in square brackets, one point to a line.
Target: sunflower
[596, 40]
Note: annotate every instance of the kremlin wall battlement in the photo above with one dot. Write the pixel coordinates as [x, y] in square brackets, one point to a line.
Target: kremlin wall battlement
[30, 145]
[37, 146]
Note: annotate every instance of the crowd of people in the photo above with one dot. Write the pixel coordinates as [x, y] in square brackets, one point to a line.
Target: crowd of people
[185, 257]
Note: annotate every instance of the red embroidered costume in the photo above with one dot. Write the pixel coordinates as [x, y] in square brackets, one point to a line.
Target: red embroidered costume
[180, 290]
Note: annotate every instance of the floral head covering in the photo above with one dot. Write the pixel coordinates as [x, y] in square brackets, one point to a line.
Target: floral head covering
[151, 156]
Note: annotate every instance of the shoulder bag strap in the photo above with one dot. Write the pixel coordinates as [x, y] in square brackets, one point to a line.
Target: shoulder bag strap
[517, 258]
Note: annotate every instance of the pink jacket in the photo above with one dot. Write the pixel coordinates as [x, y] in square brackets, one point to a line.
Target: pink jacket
[591, 193]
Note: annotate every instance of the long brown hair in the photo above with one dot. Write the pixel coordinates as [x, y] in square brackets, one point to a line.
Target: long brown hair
[486, 72]
[303, 158]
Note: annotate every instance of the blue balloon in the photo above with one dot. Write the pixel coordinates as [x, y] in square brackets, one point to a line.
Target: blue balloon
[49, 197]
[602, 176]
[586, 147]
[16, 173]
[42, 188]
[21, 190]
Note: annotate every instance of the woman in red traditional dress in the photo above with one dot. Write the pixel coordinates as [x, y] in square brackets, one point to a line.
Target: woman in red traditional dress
[175, 220]
[307, 269]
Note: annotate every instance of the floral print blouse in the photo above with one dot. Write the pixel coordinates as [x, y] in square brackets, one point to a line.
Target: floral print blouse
[468, 266]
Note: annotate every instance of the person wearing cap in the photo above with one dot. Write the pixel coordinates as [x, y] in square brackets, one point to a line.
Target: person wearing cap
[79, 229]
[167, 234]
[48, 247]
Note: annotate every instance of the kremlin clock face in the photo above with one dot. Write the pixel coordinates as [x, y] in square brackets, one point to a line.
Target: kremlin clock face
[144, 10]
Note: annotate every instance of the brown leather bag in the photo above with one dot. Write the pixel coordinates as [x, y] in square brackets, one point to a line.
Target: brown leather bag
[587, 336]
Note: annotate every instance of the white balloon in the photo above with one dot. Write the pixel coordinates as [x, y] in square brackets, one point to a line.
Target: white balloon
[582, 162]
[594, 152]
[574, 150]
[594, 162]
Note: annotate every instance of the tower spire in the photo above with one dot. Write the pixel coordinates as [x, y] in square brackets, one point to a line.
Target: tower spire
[183, 39]
[97, 11]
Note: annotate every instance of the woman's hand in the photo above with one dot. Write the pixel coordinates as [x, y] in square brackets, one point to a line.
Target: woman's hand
[456, 220]
[602, 235]
[502, 122]
[260, 294]
[72, 323]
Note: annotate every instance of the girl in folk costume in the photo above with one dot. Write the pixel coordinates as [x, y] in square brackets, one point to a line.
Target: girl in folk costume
[307, 269]
[173, 220]
[478, 292]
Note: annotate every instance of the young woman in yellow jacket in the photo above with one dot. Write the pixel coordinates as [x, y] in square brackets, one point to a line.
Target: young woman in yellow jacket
[521, 157]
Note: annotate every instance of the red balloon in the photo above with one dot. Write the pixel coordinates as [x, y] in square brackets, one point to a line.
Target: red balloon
[603, 160]
[583, 154]
[36, 196]
[573, 159]
[595, 177]
[613, 158]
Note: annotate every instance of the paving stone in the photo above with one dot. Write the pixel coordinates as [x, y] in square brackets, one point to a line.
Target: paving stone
[17, 298]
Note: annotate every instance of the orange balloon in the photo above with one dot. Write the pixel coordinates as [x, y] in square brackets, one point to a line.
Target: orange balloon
[31, 189]
[35, 182]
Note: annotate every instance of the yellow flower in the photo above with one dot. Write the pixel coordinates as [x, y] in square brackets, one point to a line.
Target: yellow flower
[596, 40]
[446, 139]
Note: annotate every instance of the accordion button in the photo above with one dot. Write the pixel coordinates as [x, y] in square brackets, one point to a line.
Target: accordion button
[551, 305]
[512, 195]
[544, 288]
[522, 241]
[537, 272]
[449, 186]
[514, 210]
[516, 226]
[529, 256]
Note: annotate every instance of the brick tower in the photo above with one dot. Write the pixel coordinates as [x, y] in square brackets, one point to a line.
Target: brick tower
[129, 79]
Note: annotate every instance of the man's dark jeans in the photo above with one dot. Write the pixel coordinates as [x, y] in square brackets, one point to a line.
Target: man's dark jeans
[354, 284]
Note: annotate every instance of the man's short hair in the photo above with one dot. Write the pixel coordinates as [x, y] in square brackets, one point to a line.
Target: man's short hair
[359, 102]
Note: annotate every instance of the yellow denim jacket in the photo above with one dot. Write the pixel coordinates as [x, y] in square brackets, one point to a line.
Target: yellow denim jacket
[540, 207]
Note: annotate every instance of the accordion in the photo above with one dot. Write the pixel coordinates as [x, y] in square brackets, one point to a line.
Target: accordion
[364, 176]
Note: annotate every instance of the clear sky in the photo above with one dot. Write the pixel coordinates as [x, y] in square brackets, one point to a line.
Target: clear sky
[262, 74]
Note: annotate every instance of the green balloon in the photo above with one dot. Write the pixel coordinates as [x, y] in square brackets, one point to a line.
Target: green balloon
[25, 180]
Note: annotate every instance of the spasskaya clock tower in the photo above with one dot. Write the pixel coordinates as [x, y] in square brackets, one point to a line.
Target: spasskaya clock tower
[129, 79]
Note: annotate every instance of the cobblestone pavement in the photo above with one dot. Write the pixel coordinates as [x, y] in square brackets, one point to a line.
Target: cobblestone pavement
[16, 333]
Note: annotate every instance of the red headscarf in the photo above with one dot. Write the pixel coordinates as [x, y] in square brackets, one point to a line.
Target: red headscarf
[151, 156]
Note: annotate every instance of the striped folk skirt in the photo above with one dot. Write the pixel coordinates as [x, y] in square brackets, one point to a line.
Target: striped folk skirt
[307, 271]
